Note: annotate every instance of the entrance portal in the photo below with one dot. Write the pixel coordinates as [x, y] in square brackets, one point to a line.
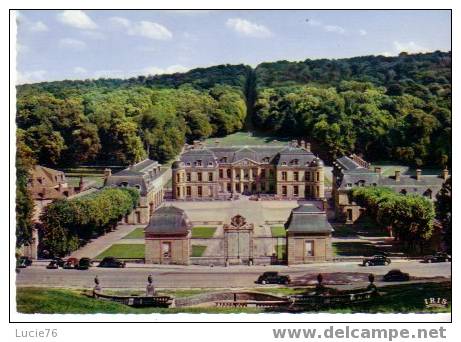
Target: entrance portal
[238, 241]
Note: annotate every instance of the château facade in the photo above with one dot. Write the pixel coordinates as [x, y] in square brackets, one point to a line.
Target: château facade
[290, 172]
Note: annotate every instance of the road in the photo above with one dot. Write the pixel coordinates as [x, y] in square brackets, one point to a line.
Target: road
[135, 276]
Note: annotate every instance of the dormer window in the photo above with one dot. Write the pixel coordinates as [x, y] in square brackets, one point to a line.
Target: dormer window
[187, 164]
[223, 160]
[198, 163]
[294, 162]
[210, 164]
[266, 160]
[349, 185]
[284, 163]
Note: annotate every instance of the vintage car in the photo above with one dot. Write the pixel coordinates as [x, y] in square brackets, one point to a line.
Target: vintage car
[111, 262]
[396, 275]
[84, 264]
[70, 263]
[23, 262]
[376, 260]
[273, 278]
[53, 265]
[437, 257]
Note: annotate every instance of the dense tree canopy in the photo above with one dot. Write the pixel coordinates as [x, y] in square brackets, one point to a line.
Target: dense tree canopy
[391, 108]
[67, 223]
[411, 217]
[386, 108]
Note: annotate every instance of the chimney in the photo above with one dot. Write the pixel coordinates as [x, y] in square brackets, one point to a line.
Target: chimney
[377, 169]
[397, 175]
[294, 143]
[302, 143]
[418, 174]
[445, 174]
[308, 147]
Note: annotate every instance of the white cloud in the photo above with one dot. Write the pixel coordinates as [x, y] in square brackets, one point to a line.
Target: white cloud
[334, 28]
[248, 28]
[79, 70]
[363, 32]
[410, 47]
[147, 29]
[38, 26]
[120, 21]
[168, 70]
[151, 30]
[71, 43]
[326, 27]
[77, 19]
[30, 76]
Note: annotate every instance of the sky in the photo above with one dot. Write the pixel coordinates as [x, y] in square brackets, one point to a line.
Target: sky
[74, 44]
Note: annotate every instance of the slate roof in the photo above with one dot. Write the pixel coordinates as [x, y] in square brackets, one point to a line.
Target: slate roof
[308, 219]
[141, 175]
[212, 156]
[354, 174]
[169, 221]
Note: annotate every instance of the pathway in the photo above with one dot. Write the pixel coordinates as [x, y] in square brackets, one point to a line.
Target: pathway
[97, 246]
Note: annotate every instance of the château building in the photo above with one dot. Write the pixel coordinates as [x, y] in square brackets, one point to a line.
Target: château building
[352, 171]
[291, 172]
[148, 177]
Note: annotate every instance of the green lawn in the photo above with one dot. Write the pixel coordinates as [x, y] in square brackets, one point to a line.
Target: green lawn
[203, 232]
[404, 298]
[197, 250]
[59, 301]
[280, 251]
[278, 231]
[245, 138]
[354, 248]
[124, 251]
[138, 233]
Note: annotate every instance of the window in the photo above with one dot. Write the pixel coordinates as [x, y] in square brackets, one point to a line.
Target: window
[210, 176]
[308, 176]
[318, 176]
[223, 160]
[210, 191]
[263, 173]
[166, 249]
[309, 248]
[221, 173]
[284, 190]
[296, 191]
[210, 164]
[178, 192]
[199, 176]
[187, 164]
[284, 176]
[188, 191]
[349, 185]
[198, 163]
[228, 187]
[228, 173]
[296, 176]
[178, 178]
[284, 163]
[294, 162]
[266, 160]
[349, 214]
[188, 177]
[199, 191]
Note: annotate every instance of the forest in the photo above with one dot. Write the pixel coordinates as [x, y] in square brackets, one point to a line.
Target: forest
[384, 108]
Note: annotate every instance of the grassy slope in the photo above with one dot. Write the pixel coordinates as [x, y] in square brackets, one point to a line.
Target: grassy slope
[405, 298]
[244, 138]
[124, 251]
[138, 233]
[203, 232]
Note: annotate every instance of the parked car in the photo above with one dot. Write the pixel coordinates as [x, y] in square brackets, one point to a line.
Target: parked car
[84, 264]
[53, 265]
[396, 275]
[23, 262]
[376, 260]
[111, 262]
[70, 263]
[60, 262]
[437, 257]
[273, 278]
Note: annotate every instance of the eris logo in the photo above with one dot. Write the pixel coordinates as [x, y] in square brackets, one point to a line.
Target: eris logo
[436, 302]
